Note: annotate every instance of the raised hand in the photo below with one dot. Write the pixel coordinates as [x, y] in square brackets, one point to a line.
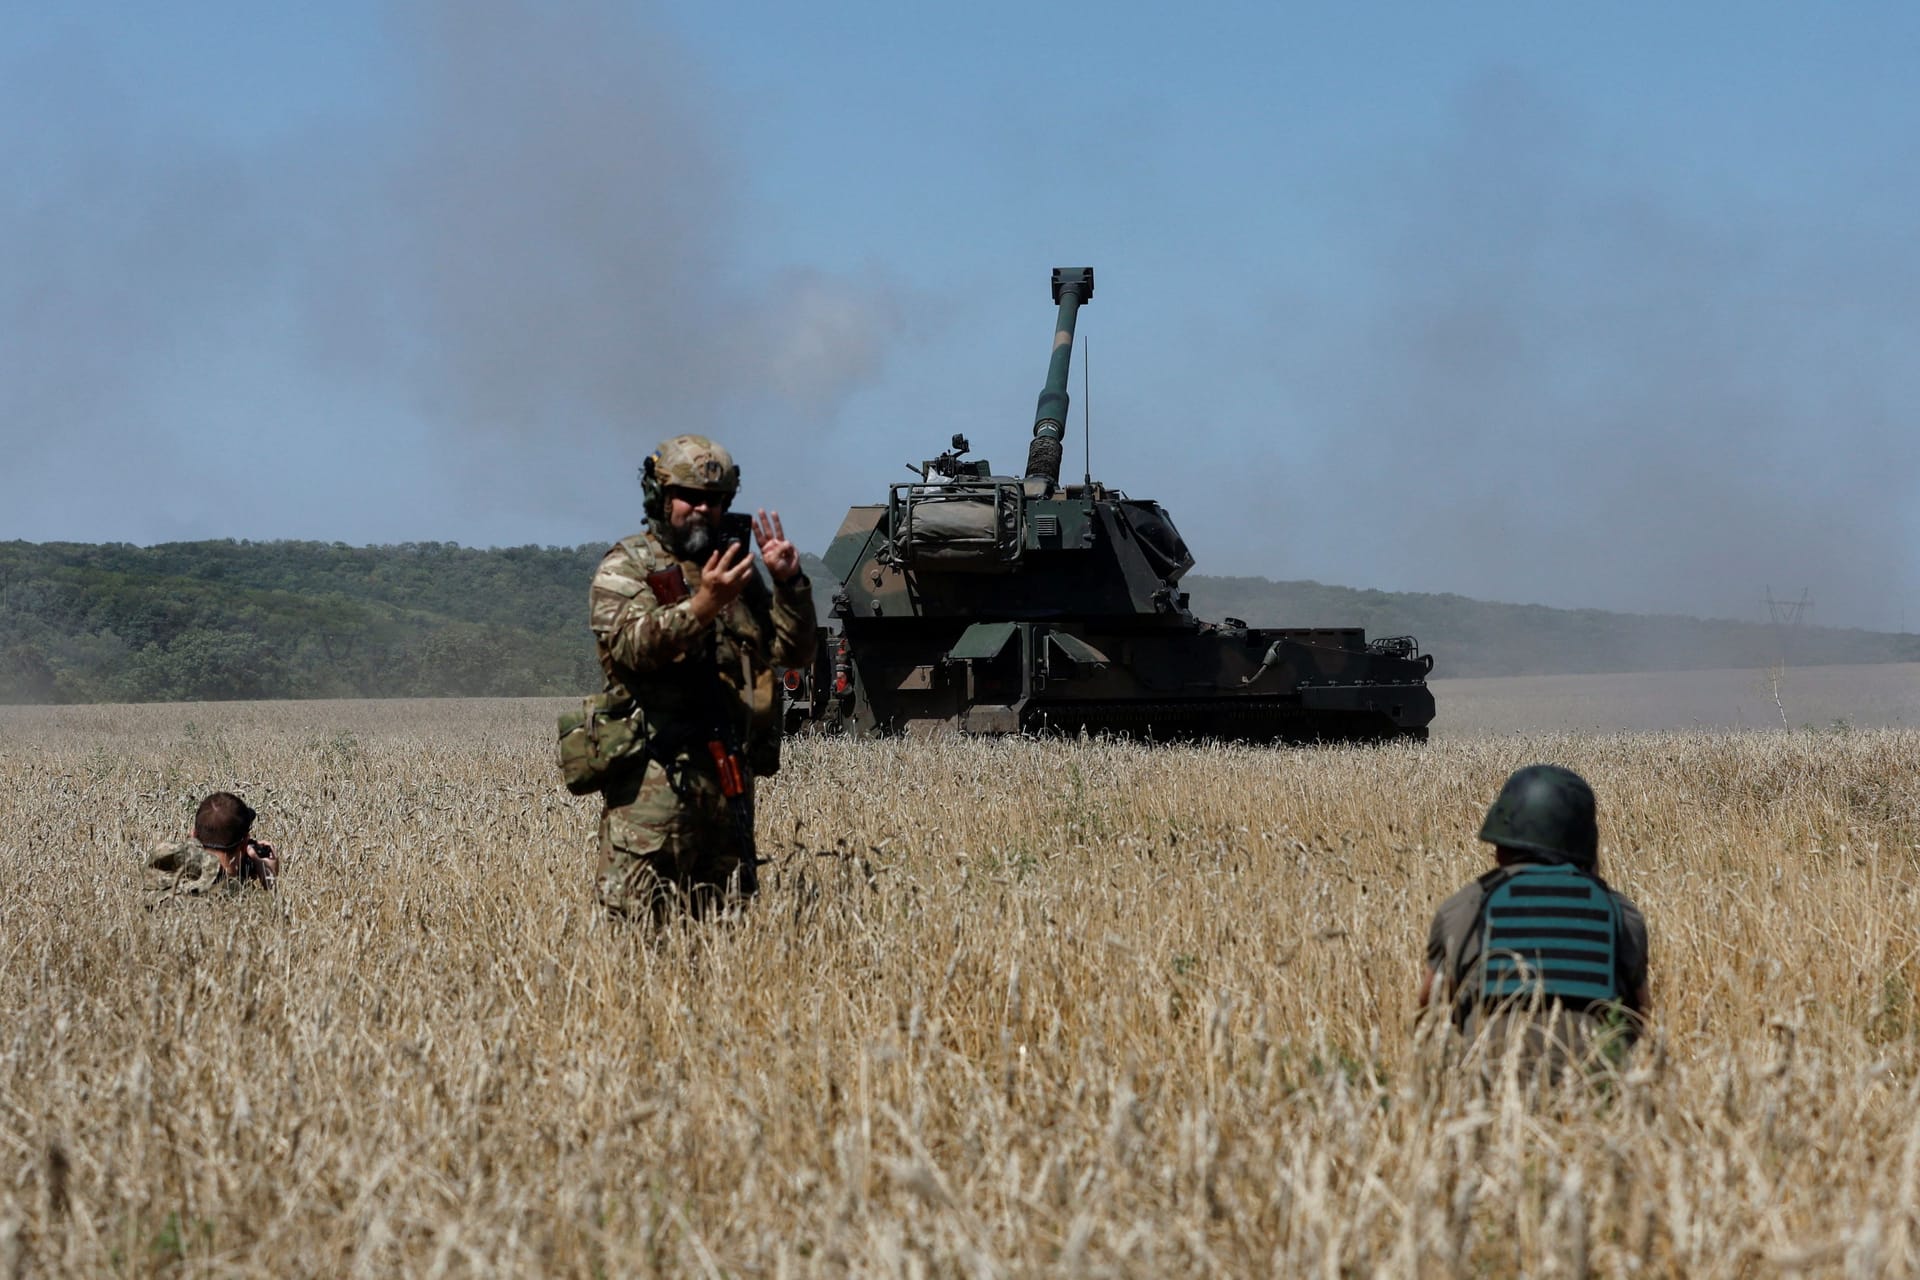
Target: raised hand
[722, 578]
[782, 557]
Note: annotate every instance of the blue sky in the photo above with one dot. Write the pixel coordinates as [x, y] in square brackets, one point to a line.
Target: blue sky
[1606, 306]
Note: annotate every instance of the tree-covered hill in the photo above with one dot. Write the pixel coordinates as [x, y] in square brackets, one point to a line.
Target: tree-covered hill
[209, 620]
[205, 620]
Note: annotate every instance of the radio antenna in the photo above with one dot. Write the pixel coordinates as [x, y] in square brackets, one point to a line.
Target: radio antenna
[1086, 406]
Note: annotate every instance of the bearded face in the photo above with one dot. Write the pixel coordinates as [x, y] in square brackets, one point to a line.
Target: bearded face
[690, 534]
[692, 527]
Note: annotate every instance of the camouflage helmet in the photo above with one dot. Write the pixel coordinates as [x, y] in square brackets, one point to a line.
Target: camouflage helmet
[687, 462]
[1547, 810]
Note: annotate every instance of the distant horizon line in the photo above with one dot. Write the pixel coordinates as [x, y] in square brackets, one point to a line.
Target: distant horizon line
[1191, 577]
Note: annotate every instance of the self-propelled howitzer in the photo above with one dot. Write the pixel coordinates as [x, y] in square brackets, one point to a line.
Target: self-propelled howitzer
[1002, 604]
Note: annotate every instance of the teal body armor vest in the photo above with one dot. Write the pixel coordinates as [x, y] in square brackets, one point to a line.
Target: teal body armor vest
[1550, 928]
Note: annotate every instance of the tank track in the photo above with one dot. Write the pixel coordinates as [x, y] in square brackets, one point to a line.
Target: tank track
[1277, 719]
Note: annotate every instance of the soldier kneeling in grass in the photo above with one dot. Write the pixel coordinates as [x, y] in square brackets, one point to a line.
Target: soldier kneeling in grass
[1541, 949]
[221, 856]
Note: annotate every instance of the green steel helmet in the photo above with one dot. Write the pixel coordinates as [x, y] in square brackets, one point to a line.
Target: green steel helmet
[1547, 810]
[686, 462]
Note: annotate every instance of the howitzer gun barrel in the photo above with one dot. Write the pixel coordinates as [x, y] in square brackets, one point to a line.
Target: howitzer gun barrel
[1072, 286]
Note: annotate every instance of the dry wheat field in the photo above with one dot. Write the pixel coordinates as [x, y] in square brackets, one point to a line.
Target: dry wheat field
[1009, 1008]
[1884, 696]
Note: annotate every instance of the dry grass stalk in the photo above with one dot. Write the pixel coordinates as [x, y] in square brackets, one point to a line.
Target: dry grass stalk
[1005, 1009]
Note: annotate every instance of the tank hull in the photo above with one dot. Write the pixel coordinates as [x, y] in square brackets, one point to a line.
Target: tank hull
[923, 677]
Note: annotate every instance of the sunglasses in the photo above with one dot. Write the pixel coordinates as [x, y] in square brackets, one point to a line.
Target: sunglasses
[700, 497]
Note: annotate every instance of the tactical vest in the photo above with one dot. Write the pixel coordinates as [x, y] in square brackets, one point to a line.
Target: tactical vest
[1550, 929]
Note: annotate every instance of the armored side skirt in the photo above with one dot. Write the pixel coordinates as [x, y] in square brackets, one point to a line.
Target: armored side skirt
[1177, 683]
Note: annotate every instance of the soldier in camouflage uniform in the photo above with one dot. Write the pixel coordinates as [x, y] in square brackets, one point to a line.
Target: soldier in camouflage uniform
[1569, 953]
[221, 856]
[688, 628]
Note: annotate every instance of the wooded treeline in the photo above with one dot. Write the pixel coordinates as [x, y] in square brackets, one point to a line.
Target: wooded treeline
[193, 621]
[214, 620]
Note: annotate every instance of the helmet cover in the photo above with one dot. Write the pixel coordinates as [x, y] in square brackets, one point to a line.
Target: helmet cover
[687, 462]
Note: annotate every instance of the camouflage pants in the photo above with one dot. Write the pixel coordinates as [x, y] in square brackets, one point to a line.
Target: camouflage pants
[664, 851]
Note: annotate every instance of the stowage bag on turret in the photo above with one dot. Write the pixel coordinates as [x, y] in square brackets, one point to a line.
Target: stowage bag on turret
[960, 532]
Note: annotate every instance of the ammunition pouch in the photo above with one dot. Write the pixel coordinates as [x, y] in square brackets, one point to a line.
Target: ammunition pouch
[597, 742]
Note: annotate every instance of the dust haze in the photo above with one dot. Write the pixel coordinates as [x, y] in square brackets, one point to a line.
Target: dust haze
[1555, 378]
[464, 307]
[483, 297]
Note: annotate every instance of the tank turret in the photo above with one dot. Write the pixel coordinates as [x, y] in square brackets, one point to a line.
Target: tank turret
[989, 603]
